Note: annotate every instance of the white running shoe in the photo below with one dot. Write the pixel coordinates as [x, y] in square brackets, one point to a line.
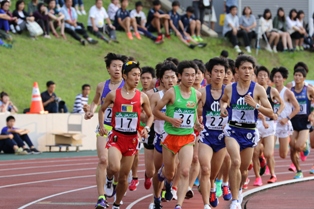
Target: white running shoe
[83, 12]
[237, 48]
[248, 49]
[109, 188]
[115, 207]
[151, 206]
[78, 12]
[114, 200]
[268, 48]
[235, 205]
[240, 196]
[174, 194]
[206, 206]
[275, 49]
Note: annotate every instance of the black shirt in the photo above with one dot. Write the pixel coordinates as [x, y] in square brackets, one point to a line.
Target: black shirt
[52, 107]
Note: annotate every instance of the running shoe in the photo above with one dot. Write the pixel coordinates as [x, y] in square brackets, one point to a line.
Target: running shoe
[200, 39]
[133, 185]
[305, 152]
[272, 179]
[157, 203]
[240, 196]
[147, 182]
[298, 175]
[101, 203]
[110, 188]
[151, 206]
[195, 38]
[189, 194]
[302, 157]
[201, 45]
[206, 206]
[192, 46]
[213, 200]
[246, 184]
[20, 151]
[168, 194]
[258, 181]
[218, 188]
[115, 207]
[28, 151]
[196, 182]
[138, 36]
[250, 166]
[129, 34]
[226, 193]
[292, 168]
[114, 199]
[263, 164]
[312, 170]
[168, 36]
[174, 193]
[35, 151]
[178, 207]
[235, 205]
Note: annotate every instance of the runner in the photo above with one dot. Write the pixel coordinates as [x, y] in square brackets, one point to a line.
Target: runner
[302, 121]
[114, 63]
[123, 140]
[266, 129]
[245, 99]
[212, 146]
[180, 121]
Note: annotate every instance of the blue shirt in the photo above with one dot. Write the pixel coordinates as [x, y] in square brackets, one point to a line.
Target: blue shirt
[69, 14]
[186, 21]
[120, 14]
[230, 3]
[5, 130]
[150, 15]
[175, 18]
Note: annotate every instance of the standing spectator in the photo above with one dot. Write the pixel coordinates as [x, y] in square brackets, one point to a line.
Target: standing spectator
[248, 23]
[156, 19]
[56, 19]
[296, 32]
[266, 29]
[81, 99]
[4, 21]
[124, 22]
[60, 4]
[42, 18]
[77, 4]
[32, 7]
[311, 26]
[302, 25]
[210, 15]
[73, 27]
[140, 19]
[199, 10]
[230, 3]
[51, 102]
[113, 7]
[22, 16]
[279, 24]
[231, 29]
[191, 25]
[96, 24]
[6, 105]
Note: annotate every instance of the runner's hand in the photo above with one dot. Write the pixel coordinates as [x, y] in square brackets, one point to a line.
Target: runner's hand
[144, 134]
[249, 100]
[176, 122]
[88, 115]
[199, 127]
[223, 112]
[265, 124]
[86, 108]
[102, 131]
[283, 121]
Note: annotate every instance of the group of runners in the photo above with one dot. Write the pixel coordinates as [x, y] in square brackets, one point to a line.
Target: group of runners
[209, 121]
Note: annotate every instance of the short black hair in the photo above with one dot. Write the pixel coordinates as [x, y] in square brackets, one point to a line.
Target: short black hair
[167, 65]
[300, 70]
[18, 3]
[224, 53]
[150, 70]
[175, 3]
[84, 86]
[231, 65]
[262, 68]
[282, 70]
[265, 12]
[112, 56]
[200, 65]
[129, 66]
[157, 67]
[174, 60]
[10, 118]
[301, 65]
[244, 58]
[290, 14]
[156, 3]
[232, 7]
[186, 64]
[300, 12]
[246, 7]
[190, 9]
[283, 18]
[216, 61]
[39, 5]
[138, 4]
[2, 94]
[49, 83]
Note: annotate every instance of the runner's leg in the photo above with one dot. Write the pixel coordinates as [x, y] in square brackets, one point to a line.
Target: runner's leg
[269, 153]
[102, 153]
[195, 167]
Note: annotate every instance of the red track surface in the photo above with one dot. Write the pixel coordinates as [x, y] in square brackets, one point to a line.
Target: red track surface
[41, 181]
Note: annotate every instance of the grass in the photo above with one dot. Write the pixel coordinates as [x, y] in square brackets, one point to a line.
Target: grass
[71, 65]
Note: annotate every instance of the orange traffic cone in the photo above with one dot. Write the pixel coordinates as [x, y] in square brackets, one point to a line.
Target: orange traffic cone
[37, 106]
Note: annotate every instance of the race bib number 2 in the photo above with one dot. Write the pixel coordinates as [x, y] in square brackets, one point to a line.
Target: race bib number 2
[126, 121]
[108, 115]
[186, 115]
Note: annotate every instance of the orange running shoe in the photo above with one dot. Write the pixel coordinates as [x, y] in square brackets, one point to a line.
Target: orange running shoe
[138, 36]
[129, 34]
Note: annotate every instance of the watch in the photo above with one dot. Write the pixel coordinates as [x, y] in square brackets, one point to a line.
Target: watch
[257, 106]
[147, 128]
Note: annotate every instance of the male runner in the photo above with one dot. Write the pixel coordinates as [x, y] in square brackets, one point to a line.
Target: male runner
[114, 63]
[212, 146]
[123, 140]
[266, 131]
[245, 99]
[180, 121]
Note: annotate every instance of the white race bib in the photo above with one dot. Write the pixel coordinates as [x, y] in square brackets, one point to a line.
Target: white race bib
[126, 121]
[186, 115]
[214, 121]
[108, 115]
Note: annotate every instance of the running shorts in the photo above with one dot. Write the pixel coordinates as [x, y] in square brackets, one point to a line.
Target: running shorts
[126, 144]
[300, 123]
[284, 131]
[157, 143]
[265, 132]
[214, 139]
[174, 143]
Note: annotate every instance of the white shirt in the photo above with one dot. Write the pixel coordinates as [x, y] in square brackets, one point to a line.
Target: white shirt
[291, 24]
[137, 16]
[112, 9]
[98, 15]
[232, 20]
[265, 25]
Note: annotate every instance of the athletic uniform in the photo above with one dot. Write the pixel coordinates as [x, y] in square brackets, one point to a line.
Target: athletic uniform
[185, 109]
[283, 131]
[212, 135]
[242, 119]
[270, 131]
[159, 128]
[125, 123]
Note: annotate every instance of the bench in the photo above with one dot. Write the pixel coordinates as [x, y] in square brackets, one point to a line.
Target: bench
[64, 145]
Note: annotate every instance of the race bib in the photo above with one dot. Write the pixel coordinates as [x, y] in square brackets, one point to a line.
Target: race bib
[108, 115]
[303, 108]
[186, 115]
[126, 121]
[214, 121]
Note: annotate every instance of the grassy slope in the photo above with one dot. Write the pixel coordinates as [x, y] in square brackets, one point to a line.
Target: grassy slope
[70, 65]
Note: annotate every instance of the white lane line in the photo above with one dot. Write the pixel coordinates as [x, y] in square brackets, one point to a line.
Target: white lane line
[279, 173]
[3, 163]
[138, 200]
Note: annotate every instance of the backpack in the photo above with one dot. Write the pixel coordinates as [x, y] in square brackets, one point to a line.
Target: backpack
[309, 41]
[34, 29]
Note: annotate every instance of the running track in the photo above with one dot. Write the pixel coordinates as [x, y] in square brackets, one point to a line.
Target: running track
[70, 183]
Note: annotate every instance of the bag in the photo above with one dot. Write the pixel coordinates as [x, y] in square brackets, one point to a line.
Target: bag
[205, 4]
[34, 29]
[309, 41]
[222, 19]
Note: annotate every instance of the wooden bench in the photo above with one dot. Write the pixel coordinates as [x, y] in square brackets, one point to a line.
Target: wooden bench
[64, 145]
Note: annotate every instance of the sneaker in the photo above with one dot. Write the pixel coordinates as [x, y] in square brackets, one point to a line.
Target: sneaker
[18, 29]
[138, 36]
[83, 42]
[151, 206]
[28, 151]
[235, 205]
[237, 48]
[158, 40]
[101, 203]
[206, 206]
[306, 151]
[147, 182]
[246, 184]
[292, 168]
[133, 185]
[12, 29]
[115, 207]
[174, 193]
[240, 196]
[312, 170]
[78, 12]
[213, 200]
[189, 194]
[272, 179]
[83, 12]
[248, 49]
[192, 46]
[20, 151]
[297, 48]
[298, 175]
[201, 45]
[114, 199]
[157, 203]
[110, 188]
[92, 41]
[263, 164]
[275, 49]
[196, 182]
[129, 34]
[130, 177]
[226, 193]
[218, 188]
[200, 39]
[168, 194]
[250, 166]
[168, 36]
[35, 151]
[301, 48]
[258, 181]
[195, 38]
[178, 207]
[268, 48]
[267, 171]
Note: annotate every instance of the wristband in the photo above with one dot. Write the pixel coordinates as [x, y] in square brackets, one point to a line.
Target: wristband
[288, 118]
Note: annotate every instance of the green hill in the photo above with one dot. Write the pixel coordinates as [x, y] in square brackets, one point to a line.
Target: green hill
[70, 65]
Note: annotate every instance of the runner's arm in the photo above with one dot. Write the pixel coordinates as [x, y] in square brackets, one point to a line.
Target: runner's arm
[265, 107]
[224, 101]
[148, 111]
[201, 102]
[153, 101]
[108, 101]
[276, 96]
[96, 101]
[294, 102]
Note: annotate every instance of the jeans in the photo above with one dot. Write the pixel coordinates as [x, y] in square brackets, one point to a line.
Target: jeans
[147, 33]
[78, 2]
[60, 2]
[44, 24]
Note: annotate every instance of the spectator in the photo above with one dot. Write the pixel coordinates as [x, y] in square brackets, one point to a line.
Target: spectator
[192, 25]
[224, 54]
[210, 18]
[230, 3]
[19, 137]
[81, 99]
[56, 19]
[32, 7]
[51, 102]
[9, 146]
[231, 29]
[77, 4]
[156, 19]
[140, 19]
[248, 23]
[124, 22]
[266, 29]
[279, 24]
[22, 16]
[73, 27]
[96, 25]
[113, 7]
[13, 20]
[42, 18]
[199, 10]
[302, 25]
[6, 105]
[60, 4]
[296, 32]
[4, 21]
[311, 26]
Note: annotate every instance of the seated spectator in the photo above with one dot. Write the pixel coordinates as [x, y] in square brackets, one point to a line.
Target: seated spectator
[311, 26]
[32, 7]
[231, 30]
[9, 146]
[51, 102]
[22, 16]
[228, 4]
[296, 32]
[191, 25]
[266, 29]
[56, 19]
[19, 137]
[96, 24]
[4, 21]
[248, 23]
[279, 24]
[124, 22]
[302, 25]
[156, 19]
[13, 20]
[73, 27]
[113, 7]
[6, 105]
[42, 18]
[138, 15]
[81, 100]
[77, 4]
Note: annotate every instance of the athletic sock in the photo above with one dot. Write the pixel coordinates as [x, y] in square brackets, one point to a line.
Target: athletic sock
[299, 171]
[117, 205]
[115, 183]
[102, 197]
[109, 179]
[213, 190]
[218, 180]
[225, 184]
[136, 178]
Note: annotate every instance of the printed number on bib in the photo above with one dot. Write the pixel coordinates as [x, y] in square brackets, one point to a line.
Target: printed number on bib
[214, 122]
[303, 108]
[126, 122]
[186, 115]
[108, 115]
